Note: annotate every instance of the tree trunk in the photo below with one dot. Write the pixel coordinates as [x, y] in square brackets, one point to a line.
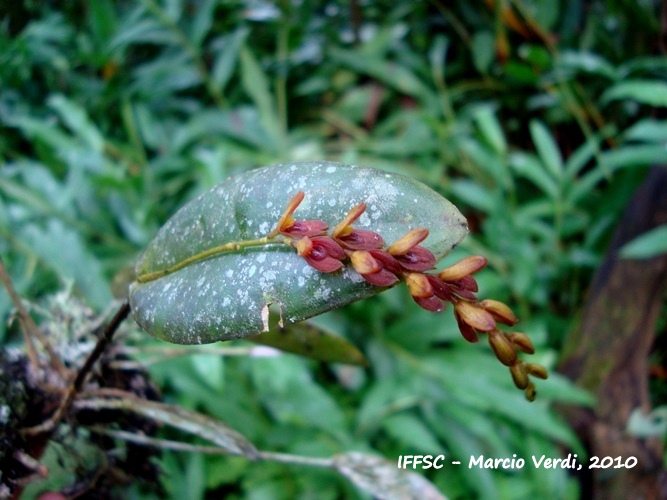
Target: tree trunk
[607, 353]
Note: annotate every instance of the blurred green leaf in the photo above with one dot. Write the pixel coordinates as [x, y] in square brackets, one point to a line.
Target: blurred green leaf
[256, 85]
[391, 74]
[531, 168]
[587, 62]
[488, 161]
[228, 48]
[547, 149]
[412, 432]
[62, 249]
[462, 446]
[649, 92]
[647, 130]
[136, 29]
[650, 244]
[78, 121]
[210, 368]
[490, 128]
[483, 50]
[474, 194]
[202, 21]
[288, 392]
[623, 157]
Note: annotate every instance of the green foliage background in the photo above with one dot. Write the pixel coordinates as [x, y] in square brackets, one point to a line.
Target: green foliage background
[115, 113]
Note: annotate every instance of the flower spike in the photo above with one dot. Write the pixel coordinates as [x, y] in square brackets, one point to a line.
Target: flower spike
[406, 260]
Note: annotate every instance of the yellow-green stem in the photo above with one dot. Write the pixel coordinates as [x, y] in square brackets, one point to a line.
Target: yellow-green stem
[233, 246]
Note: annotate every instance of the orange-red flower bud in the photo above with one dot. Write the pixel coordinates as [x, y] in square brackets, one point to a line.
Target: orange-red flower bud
[475, 316]
[522, 342]
[360, 239]
[464, 267]
[501, 312]
[375, 266]
[411, 239]
[537, 371]
[519, 375]
[364, 263]
[381, 278]
[417, 259]
[344, 226]
[286, 217]
[388, 262]
[502, 348]
[303, 246]
[432, 303]
[320, 252]
[419, 285]
[456, 289]
[440, 289]
[467, 283]
[466, 330]
[299, 228]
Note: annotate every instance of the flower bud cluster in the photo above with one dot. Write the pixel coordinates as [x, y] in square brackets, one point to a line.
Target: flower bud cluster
[406, 260]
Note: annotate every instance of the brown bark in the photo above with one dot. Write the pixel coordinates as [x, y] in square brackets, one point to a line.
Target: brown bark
[607, 353]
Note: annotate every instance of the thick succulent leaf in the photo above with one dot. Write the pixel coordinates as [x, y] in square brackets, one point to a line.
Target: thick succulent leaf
[307, 339]
[227, 295]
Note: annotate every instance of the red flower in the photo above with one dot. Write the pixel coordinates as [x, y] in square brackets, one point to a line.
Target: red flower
[356, 239]
[409, 254]
[459, 278]
[320, 252]
[423, 292]
[288, 226]
[376, 266]
[300, 228]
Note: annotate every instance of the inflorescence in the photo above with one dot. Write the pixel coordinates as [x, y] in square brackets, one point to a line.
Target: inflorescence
[406, 260]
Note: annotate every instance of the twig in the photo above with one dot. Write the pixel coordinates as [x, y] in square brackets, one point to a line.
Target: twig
[30, 328]
[82, 375]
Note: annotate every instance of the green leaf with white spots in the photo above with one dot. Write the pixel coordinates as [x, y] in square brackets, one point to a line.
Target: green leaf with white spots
[187, 293]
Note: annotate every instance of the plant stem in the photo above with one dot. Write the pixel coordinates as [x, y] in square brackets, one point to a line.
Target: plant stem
[227, 247]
